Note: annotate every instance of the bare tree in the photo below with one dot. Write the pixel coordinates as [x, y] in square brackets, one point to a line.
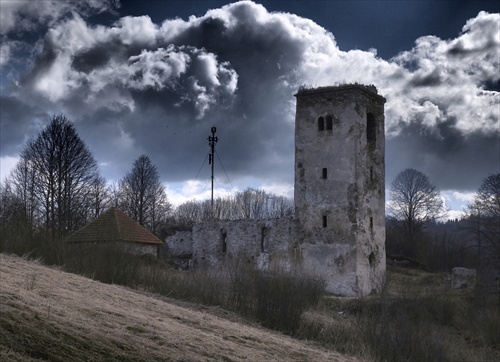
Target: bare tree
[99, 197]
[484, 217]
[22, 180]
[15, 226]
[63, 170]
[114, 190]
[415, 202]
[280, 206]
[252, 203]
[142, 195]
[188, 213]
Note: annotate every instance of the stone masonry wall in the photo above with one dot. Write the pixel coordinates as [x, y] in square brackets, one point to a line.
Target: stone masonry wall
[261, 242]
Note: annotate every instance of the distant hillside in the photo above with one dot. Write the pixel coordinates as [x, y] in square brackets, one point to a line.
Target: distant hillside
[52, 315]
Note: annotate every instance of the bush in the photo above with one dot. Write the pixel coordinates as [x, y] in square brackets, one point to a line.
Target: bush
[282, 298]
[404, 329]
[106, 262]
[275, 298]
[419, 318]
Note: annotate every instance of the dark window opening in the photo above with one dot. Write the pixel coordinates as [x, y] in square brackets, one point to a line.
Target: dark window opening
[371, 173]
[263, 239]
[223, 237]
[325, 221]
[371, 223]
[371, 129]
[372, 259]
[324, 173]
[321, 124]
[329, 123]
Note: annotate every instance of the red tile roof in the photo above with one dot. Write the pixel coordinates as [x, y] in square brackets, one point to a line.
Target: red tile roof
[114, 225]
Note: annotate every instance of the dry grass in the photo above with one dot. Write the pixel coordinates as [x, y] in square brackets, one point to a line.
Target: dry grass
[418, 317]
[48, 314]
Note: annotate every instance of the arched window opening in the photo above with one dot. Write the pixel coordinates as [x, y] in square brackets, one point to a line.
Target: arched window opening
[371, 223]
[223, 238]
[371, 129]
[329, 123]
[325, 221]
[321, 124]
[324, 173]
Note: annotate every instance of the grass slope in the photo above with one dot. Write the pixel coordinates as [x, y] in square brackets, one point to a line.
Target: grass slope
[48, 314]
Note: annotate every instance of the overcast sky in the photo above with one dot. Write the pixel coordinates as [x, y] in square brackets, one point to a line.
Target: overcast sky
[152, 77]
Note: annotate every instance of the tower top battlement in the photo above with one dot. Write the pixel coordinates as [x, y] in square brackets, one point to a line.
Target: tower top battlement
[303, 90]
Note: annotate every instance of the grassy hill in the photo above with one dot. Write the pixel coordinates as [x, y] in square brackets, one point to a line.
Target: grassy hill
[48, 314]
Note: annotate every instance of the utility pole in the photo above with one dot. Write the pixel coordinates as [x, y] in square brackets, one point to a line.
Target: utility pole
[212, 140]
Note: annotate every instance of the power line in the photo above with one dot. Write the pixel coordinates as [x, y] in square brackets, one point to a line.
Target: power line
[220, 161]
[198, 174]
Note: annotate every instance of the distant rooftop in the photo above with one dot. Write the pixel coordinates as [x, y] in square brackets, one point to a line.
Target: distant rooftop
[114, 225]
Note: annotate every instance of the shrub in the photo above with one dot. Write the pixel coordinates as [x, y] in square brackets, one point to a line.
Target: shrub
[276, 298]
[421, 320]
[106, 262]
[282, 298]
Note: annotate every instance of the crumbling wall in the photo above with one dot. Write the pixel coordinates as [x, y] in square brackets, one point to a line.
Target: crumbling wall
[180, 244]
[179, 249]
[261, 242]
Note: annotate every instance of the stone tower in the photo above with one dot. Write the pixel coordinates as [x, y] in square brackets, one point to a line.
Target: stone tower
[340, 186]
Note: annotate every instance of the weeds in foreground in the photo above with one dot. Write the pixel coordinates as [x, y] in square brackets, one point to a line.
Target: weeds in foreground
[423, 321]
[275, 298]
[413, 324]
[30, 281]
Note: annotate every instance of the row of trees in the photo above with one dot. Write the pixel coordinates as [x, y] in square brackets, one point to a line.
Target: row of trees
[414, 231]
[55, 189]
[249, 204]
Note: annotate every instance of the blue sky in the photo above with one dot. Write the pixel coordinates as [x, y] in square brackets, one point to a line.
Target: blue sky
[152, 77]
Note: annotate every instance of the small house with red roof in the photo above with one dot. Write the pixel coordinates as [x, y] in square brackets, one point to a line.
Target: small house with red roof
[114, 227]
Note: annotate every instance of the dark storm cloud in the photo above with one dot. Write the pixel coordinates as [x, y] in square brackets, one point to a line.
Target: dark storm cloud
[431, 79]
[451, 160]
[26, 15]
[139, 87]
[19, 121]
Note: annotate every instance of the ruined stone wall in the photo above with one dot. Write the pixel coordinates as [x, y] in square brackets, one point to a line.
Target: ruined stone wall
[180, 244]
[179, 249]
[262, 242]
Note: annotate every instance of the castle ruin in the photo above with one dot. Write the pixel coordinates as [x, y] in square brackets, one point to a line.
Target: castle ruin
[338, 231]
